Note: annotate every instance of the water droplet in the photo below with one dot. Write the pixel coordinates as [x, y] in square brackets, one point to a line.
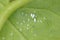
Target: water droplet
[3, 38]
[34, 19]
[32, 15]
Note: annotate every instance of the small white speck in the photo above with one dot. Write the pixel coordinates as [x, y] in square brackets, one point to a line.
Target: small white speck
[11, 33]
[20, 29]
[41, 21]
[32, 15]
[34, 19]
[3, 38]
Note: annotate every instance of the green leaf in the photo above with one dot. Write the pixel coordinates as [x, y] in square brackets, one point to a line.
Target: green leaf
[3, 3]
[9, 9]
[38, 20]
[52, 5]
[42, 26]
[11, 34]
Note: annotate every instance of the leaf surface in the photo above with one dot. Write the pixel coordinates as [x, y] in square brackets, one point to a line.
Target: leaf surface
[38, 20]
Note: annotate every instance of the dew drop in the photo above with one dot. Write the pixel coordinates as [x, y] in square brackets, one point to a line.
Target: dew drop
[34, 19]
[32, 15]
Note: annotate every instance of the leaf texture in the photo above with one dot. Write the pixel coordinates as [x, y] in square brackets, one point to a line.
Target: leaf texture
[38, 20]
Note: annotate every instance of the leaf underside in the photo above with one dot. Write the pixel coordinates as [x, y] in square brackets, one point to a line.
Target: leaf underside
[38, 20]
